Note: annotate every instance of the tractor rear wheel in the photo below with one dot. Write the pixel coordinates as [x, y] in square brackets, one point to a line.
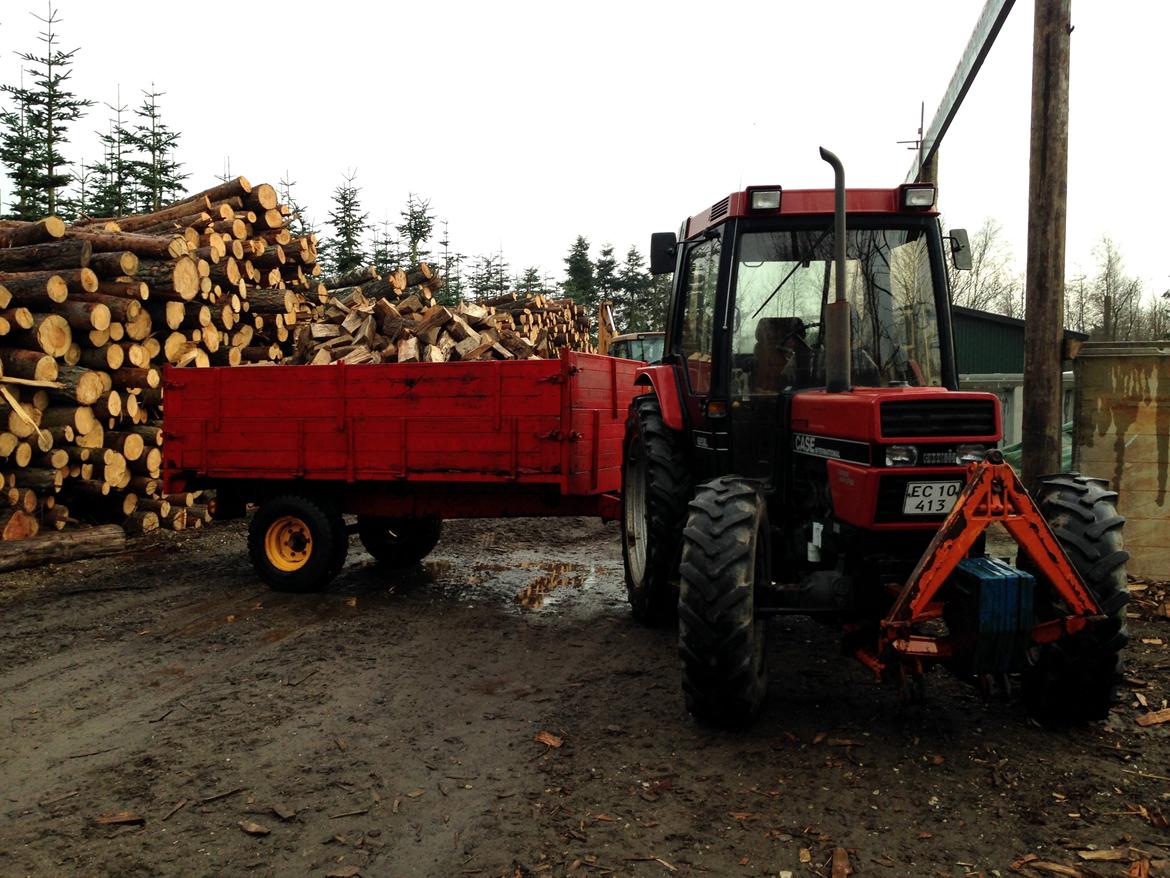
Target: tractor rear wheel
[399, 542]
[656, 485]
[296, 544]
[1074, 678]
[721, 639]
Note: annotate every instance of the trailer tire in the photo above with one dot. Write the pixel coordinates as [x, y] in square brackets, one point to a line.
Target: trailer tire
[722, 641]
[1074, 679]
[656, 485]
[399, 542]
[294, 544]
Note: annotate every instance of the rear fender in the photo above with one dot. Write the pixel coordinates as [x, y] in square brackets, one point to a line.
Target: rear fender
[664, 382]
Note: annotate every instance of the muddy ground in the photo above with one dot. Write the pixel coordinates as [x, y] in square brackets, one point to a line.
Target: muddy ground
[387, 728]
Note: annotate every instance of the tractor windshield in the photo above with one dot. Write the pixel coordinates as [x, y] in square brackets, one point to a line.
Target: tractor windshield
[784, 278]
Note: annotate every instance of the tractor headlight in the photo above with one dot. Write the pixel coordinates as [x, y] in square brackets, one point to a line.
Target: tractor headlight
[973, 453]
[901, 455]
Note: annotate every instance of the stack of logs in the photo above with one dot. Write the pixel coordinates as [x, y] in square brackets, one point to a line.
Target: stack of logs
[88, 315]
[368, 319]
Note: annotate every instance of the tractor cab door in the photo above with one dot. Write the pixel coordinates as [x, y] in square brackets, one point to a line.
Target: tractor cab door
[774, 322]
[695, 341]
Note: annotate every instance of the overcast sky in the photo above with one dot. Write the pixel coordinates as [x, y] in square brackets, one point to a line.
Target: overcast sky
[527, 124]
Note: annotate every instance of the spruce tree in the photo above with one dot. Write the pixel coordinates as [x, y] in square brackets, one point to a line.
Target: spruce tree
[344, 251]
[299, 223]
[580, 282]
[605, 277]
[18, 156]
[417, 224]
[158, 176]
[385, 250]
[530, 283]
[111, 195]
[453, 285]
[48, 108]
[636, 309]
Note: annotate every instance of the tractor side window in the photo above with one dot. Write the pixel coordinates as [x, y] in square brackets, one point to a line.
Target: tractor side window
[698, 320]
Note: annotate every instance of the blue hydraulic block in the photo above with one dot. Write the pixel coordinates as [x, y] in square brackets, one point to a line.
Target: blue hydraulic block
[1000, 597]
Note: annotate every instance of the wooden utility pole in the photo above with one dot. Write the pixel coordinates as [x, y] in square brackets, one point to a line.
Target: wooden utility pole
[1047, 208]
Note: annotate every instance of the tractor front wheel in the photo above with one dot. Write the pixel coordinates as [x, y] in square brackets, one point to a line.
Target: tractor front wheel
[721, 639]
[656, 485]
[296, 543]
[1074, 678]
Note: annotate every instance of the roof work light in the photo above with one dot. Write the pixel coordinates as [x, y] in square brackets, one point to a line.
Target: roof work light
[764, 199]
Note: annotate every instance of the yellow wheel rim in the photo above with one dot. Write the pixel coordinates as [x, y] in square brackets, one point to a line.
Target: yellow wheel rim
[288, 544]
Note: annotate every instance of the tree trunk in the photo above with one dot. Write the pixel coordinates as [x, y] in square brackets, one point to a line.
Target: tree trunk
[19, 234]
[41, 257]
[16, 524]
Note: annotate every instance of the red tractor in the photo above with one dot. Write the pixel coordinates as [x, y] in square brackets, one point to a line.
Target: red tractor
[803, 449]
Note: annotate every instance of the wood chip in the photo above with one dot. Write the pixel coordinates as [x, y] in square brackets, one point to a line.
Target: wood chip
[1117, 855]
[344, 872]
[1156, 718]
[253, 828]
[841, 867]
[119, 818]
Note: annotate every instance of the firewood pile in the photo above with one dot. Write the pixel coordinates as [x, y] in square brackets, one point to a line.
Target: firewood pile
[372, 319]
[89, 314]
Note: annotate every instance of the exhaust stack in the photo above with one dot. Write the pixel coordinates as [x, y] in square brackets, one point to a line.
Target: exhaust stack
[838, 326]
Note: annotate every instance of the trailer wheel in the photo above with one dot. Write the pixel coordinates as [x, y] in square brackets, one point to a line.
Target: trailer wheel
[1074, 679]
[721, 639]
[293, 543]
[656, 485]
[399, 542]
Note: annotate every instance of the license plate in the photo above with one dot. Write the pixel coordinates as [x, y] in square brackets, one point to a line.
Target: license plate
[930, 498]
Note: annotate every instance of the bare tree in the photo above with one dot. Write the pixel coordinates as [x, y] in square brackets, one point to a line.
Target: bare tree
[990, 285]
[1115, 303]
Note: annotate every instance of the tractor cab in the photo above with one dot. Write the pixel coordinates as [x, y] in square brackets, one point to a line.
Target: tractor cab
[802, 447]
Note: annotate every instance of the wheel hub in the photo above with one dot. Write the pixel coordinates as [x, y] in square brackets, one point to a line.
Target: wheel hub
[288, 543]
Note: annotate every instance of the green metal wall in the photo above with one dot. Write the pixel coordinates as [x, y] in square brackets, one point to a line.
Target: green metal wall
[985, 344]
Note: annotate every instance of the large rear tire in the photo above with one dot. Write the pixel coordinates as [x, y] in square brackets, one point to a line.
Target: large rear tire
[399, 542]
[1075, 678]
[296, 544]
[656, 485]
[722, 642]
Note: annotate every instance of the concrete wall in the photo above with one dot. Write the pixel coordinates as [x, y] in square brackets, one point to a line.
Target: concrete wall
[1010, 390]
[1122, 433]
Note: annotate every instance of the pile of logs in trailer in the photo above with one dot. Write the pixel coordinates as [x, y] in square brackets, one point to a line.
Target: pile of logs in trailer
[90, 312]
[369, 319]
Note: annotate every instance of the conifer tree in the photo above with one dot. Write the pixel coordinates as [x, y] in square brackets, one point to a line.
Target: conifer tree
[299, 223]
[157, 174]
[385, 250]
[453, 287]
[417, 224]
[580, 282]
[605, 277]
[636, 306]
[17, 154]
[344, 250]
[530, 283]
[44, 110]
[112, 186]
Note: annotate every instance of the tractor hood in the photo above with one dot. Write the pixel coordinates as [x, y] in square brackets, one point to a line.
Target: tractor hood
[899, 414]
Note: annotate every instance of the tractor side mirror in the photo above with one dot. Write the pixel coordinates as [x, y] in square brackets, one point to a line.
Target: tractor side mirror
[663, 246]
[960, 249]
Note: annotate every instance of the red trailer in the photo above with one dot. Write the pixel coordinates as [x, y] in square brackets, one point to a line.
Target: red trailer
[401, 446]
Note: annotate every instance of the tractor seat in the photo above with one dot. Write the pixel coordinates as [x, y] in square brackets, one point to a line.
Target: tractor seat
[779, 345]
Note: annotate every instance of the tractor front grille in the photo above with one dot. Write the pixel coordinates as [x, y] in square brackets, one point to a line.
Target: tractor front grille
[938, 417]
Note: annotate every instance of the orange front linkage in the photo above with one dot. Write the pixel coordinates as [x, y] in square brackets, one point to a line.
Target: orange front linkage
[993, 494]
